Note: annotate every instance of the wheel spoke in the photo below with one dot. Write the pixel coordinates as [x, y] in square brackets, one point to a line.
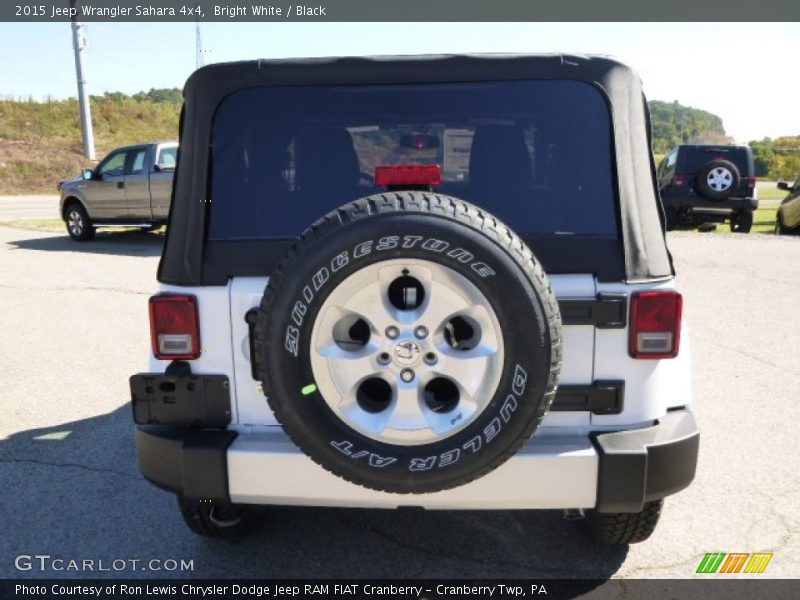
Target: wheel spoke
[406, 410]
[467, 368]
[371, 304]
[442, 302]
[348, 369]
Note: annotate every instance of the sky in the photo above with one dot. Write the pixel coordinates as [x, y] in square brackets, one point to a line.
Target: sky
[744, 72]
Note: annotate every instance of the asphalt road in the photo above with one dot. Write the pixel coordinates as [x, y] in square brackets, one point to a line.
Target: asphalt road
[19, 208]
[73, 327]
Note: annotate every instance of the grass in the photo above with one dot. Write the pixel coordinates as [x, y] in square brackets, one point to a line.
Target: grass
[771, 193]
[764, 220]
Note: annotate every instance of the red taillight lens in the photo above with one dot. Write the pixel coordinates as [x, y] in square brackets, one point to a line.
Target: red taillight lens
[655, 330]
[680, 179]
[174, 328]
[388, 175]
[751, 182]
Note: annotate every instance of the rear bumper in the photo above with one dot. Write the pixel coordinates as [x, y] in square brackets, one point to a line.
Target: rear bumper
[703, 205]
[612, 472]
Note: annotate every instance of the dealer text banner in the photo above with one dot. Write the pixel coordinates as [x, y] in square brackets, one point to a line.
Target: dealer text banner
[407, 10]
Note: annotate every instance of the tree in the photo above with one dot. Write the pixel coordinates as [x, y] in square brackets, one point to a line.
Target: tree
[778, 158]
[763, 157]
[675, 124]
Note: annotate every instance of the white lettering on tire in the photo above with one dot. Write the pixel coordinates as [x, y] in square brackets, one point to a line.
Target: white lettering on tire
[422, 464]
[340, 260]
[292, 342]
[435, 245]
[389, 242]
[362, 249]
[373, 460]
[461, 255]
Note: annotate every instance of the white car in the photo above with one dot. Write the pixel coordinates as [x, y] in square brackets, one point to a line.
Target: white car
[344, 322]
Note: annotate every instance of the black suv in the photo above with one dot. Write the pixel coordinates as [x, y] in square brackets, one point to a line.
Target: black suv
[702, 184]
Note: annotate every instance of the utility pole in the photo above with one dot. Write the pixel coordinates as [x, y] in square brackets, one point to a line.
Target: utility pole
[198, 43]
[79, 45]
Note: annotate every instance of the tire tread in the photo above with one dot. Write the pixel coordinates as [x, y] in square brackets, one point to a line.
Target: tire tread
[617, 529]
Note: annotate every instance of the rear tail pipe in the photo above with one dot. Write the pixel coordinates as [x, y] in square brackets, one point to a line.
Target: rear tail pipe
[573, 514]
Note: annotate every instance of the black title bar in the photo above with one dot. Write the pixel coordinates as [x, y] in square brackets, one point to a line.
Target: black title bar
[405, 10]
[711, 588]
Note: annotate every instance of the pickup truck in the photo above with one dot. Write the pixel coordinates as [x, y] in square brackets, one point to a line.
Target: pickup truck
[130, 187]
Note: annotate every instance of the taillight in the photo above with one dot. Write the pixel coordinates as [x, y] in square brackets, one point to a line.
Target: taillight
[751, 182]
[174, 328]
[680, 179]
[397, 175]
[655, 330]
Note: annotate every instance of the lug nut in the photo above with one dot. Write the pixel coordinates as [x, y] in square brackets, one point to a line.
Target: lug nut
[392, 332]
[430, 358]
[407, 375]
[384, 358]
[421, 332]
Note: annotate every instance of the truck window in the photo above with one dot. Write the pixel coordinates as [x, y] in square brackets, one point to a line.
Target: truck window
[137, 161]
[284, 156]
[114, 165]
[167, 157]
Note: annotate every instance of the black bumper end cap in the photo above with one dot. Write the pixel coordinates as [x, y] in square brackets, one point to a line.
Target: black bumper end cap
[189, 462]
[641, 465]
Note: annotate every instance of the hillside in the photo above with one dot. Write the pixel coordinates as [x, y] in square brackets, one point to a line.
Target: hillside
[40, 142]
[675, 124]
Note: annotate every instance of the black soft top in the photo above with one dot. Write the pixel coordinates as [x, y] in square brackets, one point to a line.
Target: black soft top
[644, 247]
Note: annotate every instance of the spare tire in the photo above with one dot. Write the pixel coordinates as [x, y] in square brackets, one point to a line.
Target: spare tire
[718, 180]
[409, 342]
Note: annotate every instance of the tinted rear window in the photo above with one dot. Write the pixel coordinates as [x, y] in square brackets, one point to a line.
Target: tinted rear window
[695, 158]
[535, 153]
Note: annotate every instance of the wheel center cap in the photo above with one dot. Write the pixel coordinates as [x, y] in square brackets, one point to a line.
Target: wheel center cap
[407, 353]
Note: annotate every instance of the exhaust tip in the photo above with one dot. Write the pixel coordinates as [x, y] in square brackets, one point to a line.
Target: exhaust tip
[573, 514]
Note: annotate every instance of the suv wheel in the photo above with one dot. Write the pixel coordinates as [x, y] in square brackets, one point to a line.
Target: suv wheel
[409, 343]
[617, 529]
[231, 522]
[718, 179]
[742, 222]
[79, 225]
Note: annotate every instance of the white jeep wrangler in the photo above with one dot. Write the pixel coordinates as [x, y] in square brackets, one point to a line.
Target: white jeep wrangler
[434, 281]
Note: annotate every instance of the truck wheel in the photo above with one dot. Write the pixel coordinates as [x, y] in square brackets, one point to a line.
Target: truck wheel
[222, 522]
[718, 179]
[742, 221]
[79, 225]
[616, 529]
[409, 342]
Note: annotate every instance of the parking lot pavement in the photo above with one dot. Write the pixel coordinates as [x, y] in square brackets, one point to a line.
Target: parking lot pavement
[74, 327]
[15, 208]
